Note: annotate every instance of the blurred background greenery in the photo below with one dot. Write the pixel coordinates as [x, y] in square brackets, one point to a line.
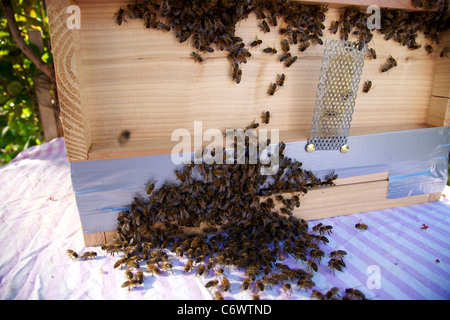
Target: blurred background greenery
[19, 113]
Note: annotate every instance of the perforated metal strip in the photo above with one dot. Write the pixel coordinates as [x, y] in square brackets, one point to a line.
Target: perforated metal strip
[338, 85]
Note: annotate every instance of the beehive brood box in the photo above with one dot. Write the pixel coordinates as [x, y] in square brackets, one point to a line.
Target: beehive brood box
[113, 78]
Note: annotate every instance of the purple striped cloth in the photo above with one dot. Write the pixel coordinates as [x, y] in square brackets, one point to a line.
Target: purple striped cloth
[404, 254]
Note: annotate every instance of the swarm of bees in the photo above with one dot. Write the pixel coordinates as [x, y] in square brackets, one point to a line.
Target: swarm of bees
[399, 25]
[211, 25]
[223, 216]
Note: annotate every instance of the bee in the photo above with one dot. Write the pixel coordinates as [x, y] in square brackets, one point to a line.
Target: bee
[303, 46]
[140, 277]
[211, 284]
[331, 293]
[259, 285]
[154, 270]
[265, 117]
[218, 296]
[444, 52]
[371, 53]
[252, 125]
[167, 266]
[188, 266]
[355, 292]
[150, 187]
[285, 45]
[201, 270]
[225, 284]
[123, 137]
[272, 89]
[281, 79]
[245, 284]
[334, 27]
[336, 264]
[197, 57]
[338, 254]
[270, 50]
[255, 296]
[287, 287]
[390, 63]
[312, 265]
[120, 16]
[120, 262]
[130, 284]
[305, 283]
[318, 295]
[290, 62]
[89, 254]
[367, 86]
[361, 226]
[256, 43]
[72, 254]
[264, 26]
[129, 274]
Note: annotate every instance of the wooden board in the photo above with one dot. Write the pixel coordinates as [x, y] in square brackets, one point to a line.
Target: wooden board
[350, 195]
[113, 78]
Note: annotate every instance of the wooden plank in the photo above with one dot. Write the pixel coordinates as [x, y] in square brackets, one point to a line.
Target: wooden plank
[439, 113]
[75, 125]
[441, 85]
[94, 239]
[132, 81]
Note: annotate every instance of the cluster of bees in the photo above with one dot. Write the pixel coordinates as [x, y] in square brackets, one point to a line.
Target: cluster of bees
[211, 25]
[217, 217]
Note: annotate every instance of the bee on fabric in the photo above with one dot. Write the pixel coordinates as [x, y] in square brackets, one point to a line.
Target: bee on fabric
[72, 254]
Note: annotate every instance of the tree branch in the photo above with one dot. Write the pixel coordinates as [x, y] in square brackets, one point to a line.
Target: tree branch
[21, 44]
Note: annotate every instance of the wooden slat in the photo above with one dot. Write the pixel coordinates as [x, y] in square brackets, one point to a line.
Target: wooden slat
[439, 113]
[441, 85]
[75, 124]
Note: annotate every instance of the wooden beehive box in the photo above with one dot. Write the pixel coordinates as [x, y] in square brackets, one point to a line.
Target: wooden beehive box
[113, 78]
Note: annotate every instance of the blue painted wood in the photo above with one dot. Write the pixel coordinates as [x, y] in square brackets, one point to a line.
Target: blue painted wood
[417, 162]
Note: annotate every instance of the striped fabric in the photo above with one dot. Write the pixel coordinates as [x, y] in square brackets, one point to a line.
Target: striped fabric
[404, 254]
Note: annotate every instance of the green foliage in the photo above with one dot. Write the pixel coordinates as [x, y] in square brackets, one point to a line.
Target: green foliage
[19, 117]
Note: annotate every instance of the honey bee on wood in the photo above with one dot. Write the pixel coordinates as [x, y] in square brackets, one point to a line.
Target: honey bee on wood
[89, 254]
[367, 86]
[290, 61]
[197, 57]
[303, 46]
[285, 45]
[371, 53]
[444, 52]
[255, 43]
[390, 63]
[334, 27]
[361, 226]
[265, 117]
[120, 16]
[272, 89]
[72, 254]
[270, 50]
[429, 48]
[124, 137]
[281, 79]
[264, 26]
